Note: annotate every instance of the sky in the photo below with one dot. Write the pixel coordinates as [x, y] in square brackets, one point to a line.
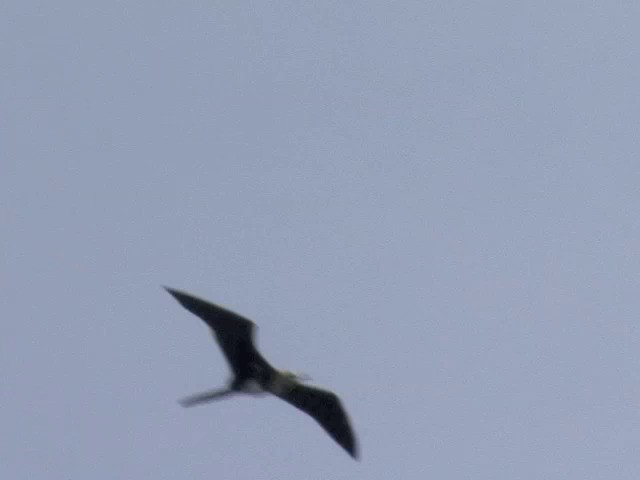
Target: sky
[431, 208]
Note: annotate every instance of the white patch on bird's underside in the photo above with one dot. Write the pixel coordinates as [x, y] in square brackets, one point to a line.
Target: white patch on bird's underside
[253, 387]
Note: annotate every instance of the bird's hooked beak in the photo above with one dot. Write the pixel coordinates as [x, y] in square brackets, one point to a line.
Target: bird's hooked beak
[298, 377]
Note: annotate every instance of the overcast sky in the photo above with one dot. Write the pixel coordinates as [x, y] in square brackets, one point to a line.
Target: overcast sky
[431, 207]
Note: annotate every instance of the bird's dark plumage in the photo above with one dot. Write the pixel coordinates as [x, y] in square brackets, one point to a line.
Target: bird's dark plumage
[234, 333]
[326, 408]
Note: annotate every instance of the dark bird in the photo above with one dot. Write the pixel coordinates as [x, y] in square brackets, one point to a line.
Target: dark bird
[253, 374]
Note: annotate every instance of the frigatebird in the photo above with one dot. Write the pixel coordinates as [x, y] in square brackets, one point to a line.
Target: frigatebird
[253, 374]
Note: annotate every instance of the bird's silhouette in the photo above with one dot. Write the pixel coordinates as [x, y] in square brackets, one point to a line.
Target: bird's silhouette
[253, 374]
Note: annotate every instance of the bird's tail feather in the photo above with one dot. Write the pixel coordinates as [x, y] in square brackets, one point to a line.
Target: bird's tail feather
[204, 397]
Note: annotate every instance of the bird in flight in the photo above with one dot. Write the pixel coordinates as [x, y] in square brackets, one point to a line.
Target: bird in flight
[253, 374]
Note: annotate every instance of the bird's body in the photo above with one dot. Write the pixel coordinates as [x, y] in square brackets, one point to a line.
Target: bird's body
[253, 374]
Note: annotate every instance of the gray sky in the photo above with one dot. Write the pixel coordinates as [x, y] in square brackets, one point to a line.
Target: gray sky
[430, 207]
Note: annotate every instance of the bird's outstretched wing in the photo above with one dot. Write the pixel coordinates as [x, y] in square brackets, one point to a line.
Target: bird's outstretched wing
[233, 332]
[325, 407]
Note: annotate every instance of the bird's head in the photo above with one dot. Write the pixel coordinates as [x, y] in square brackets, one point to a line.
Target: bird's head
[296, 377]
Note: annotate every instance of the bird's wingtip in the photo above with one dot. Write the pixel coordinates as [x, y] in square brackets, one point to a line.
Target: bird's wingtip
[353, 450]
[172, 291]
[178, 295]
